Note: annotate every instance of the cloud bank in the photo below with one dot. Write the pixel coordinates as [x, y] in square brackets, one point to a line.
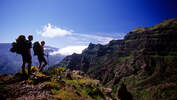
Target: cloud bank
[69, 50]
[52, 31]
[99, 39]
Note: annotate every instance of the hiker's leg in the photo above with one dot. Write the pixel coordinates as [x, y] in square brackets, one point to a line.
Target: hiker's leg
[45, 63]
[29, 64]
[23, 68]
[29, 68]
[40, 70]
[23, 64]
[40, 61]
[39, 66]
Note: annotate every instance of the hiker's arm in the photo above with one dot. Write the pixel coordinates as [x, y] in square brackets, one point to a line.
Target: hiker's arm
[46, 54]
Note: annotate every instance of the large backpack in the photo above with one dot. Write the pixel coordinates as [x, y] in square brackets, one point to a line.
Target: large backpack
[20, 46]
[37, 48]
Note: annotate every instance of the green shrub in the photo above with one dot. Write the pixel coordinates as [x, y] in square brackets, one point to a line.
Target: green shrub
[60, 69]
[34, 69]
[122, 59]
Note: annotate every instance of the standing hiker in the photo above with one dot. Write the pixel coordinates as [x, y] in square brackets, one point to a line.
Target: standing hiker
[39, 51]
[26, 56]
[22, 47]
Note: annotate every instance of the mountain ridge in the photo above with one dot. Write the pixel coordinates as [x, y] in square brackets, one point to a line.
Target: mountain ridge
[148, 53]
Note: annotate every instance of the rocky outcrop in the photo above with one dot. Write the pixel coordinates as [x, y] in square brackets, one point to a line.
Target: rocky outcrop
[55, 84]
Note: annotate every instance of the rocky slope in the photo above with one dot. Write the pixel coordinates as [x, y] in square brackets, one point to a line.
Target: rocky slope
[144, 62]
[56, 84]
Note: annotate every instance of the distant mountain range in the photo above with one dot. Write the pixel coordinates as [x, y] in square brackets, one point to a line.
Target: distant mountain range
[11, 62]
[145, 61]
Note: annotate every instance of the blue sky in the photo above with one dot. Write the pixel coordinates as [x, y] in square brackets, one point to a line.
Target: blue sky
[69, 23]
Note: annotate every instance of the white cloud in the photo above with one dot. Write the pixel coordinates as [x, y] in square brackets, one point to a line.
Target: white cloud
[69, 50]
[53, 31]
[100, 39]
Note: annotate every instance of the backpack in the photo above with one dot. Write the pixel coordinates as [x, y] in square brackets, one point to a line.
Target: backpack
[20, 46]
[37, 48]
[14, 47]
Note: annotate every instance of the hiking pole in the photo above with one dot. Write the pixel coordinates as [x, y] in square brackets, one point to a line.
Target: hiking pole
[48, 58]
[47, 61]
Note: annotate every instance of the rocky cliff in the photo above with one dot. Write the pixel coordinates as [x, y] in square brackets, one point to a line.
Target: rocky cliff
[145, 60]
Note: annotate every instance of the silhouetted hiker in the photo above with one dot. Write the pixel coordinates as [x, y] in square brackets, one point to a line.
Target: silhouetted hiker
[26, 56]
[22, 46]
[39, 51]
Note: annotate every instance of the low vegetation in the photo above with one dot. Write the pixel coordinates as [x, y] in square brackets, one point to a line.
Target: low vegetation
[61, 84]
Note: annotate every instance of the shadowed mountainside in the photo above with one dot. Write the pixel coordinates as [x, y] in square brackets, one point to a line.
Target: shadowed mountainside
[145, 61]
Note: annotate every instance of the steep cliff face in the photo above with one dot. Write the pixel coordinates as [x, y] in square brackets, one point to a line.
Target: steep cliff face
[148, 53]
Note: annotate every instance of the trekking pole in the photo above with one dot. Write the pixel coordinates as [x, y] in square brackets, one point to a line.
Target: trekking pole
[48, 60]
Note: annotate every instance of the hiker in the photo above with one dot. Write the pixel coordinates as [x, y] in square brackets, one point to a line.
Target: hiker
[39, 51]
[22, 47]
[26, 55]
